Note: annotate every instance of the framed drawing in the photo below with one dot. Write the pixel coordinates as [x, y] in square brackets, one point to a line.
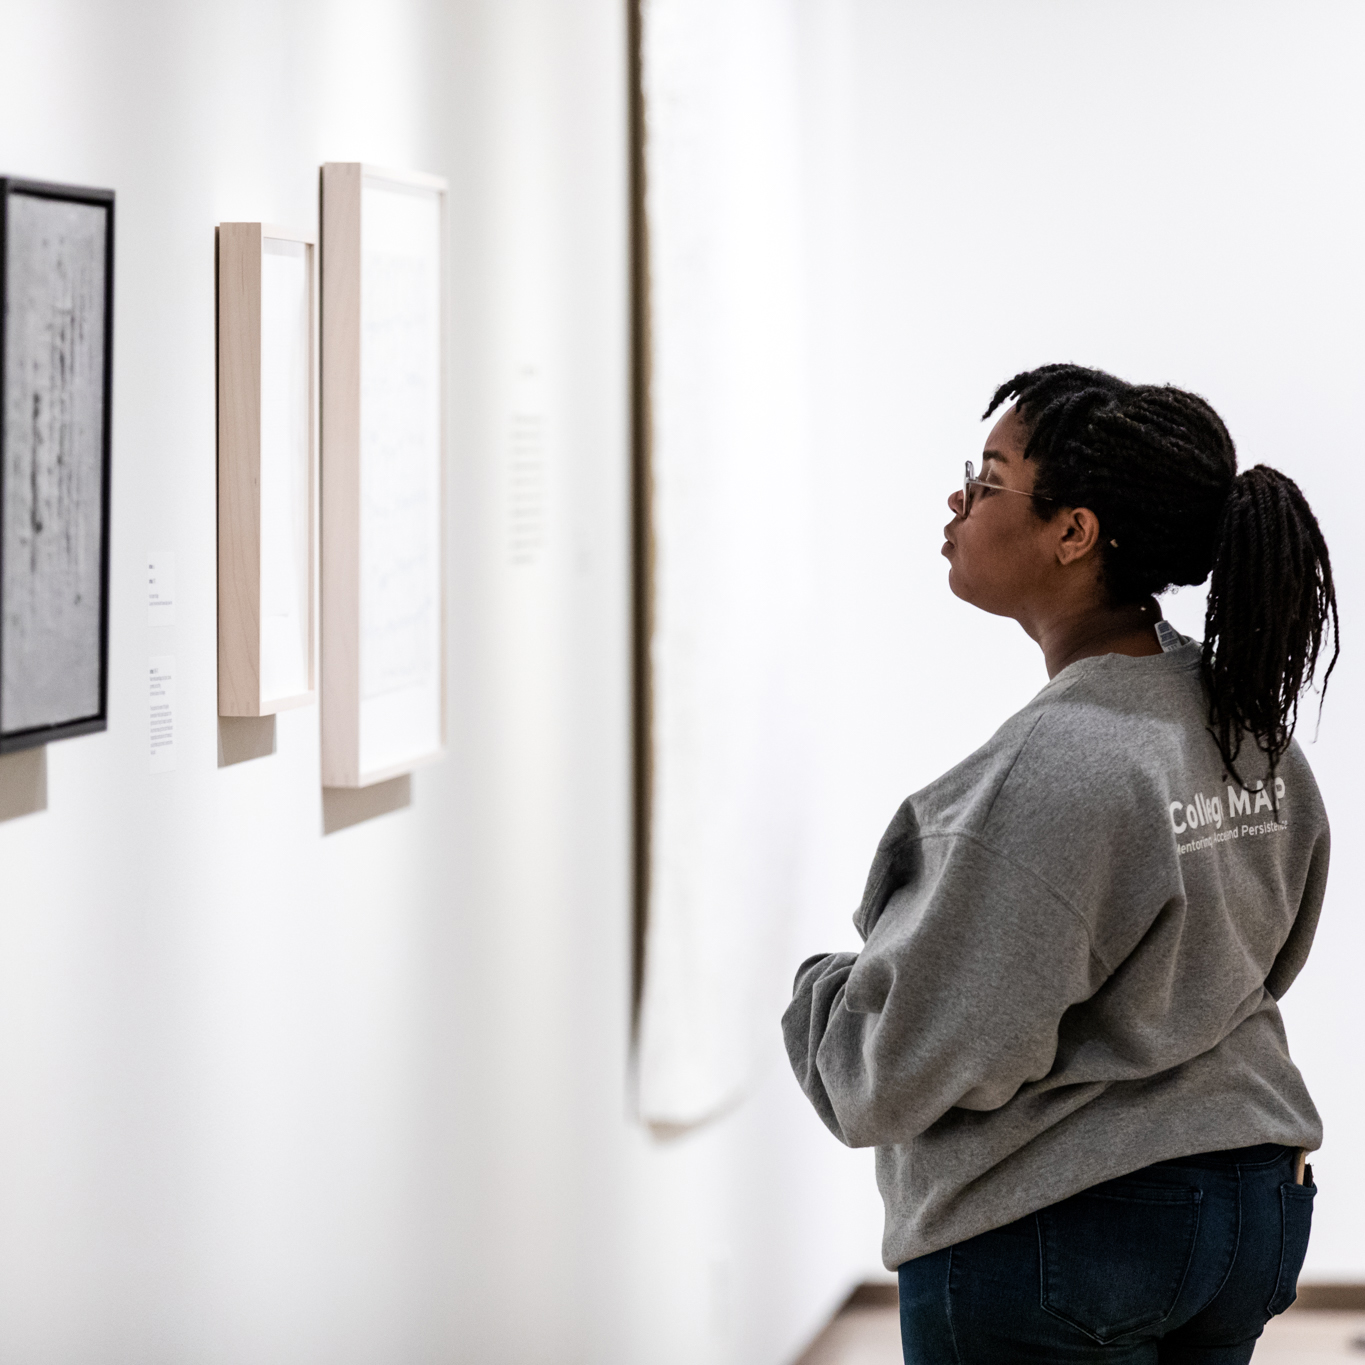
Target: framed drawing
[267, 479]
[383, 626]
[56, 334]
[724, 525]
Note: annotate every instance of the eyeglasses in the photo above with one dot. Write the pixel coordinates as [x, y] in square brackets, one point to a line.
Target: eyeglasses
[970, 483]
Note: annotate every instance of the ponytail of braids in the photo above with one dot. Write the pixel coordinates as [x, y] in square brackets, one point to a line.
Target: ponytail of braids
[1158, 468]
[1272, 608]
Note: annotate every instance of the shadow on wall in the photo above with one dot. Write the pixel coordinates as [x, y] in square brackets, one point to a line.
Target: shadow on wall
[346, 806]
[241, 738]
[23, 783]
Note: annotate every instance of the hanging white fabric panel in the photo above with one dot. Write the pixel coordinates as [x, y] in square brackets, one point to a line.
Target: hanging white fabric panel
[729, 524]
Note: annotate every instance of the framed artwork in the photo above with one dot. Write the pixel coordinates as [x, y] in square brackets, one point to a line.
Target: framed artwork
[56, 334]
[383, 619]
[725, 517]
[267, 469]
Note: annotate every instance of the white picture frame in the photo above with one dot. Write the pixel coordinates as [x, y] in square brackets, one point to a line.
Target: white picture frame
[267, 469]
[383, 463]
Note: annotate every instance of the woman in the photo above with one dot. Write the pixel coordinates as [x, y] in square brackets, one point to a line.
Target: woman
[1062, 1033]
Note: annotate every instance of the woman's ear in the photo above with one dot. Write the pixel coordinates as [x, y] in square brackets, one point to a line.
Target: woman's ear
[1080, 534]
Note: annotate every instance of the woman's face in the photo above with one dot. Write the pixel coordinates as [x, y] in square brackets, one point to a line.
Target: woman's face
[1003, 556]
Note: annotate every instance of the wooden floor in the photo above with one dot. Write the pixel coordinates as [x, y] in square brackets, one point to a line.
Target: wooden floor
[871, 1336]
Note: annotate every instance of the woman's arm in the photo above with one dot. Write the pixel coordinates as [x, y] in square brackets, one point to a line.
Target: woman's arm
[954, 1002]
[1294, 954]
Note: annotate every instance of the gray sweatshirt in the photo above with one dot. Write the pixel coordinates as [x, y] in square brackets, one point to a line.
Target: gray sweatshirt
[1073, 947]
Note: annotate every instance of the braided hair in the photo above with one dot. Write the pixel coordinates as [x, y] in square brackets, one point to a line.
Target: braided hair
[1158, 468]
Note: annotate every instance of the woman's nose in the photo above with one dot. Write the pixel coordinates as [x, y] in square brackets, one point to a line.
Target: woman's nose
[955, 502]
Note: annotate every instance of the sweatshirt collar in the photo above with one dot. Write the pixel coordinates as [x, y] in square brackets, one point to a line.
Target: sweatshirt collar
[1183, 656]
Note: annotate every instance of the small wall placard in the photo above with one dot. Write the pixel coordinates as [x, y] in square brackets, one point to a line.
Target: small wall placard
[56, 344]
[267, 481]
[383, 636]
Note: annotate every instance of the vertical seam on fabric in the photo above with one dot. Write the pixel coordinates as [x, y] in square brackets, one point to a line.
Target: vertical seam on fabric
[1194, 1249]
[1042, 1262]
[1236, 1247]
[948, 1305]
[1237, 1234]
[1018, 753]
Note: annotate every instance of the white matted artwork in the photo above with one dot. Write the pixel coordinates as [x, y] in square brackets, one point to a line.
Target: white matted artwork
[267, 480]
[722, 542]
[383, 628]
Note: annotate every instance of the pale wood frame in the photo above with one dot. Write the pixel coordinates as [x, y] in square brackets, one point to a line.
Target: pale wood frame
[241, 247]
[343, 185]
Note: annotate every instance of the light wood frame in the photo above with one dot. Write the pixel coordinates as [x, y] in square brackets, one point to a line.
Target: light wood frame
[241, 250]
[343, 454]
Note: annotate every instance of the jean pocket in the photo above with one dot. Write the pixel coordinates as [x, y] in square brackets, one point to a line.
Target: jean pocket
[1296, 1222]
[1114, 1258]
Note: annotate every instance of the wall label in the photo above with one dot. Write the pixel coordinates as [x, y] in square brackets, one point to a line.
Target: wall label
[160, 588]
[162, 712]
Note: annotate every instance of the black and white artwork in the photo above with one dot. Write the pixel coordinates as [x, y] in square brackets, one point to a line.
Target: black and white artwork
[56, 253]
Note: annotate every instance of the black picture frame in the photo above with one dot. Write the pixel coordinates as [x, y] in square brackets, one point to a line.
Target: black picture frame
[23, 723]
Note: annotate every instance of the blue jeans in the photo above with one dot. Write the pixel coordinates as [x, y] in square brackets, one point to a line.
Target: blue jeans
[1181, 1263]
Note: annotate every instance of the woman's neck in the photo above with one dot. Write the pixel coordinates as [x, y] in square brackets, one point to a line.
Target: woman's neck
[1128, 629]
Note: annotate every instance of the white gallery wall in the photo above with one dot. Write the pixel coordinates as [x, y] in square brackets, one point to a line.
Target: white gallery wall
[269, 1092]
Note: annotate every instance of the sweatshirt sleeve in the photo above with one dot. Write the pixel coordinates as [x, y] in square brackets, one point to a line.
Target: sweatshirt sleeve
[1289, 963]
[954, 1002]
